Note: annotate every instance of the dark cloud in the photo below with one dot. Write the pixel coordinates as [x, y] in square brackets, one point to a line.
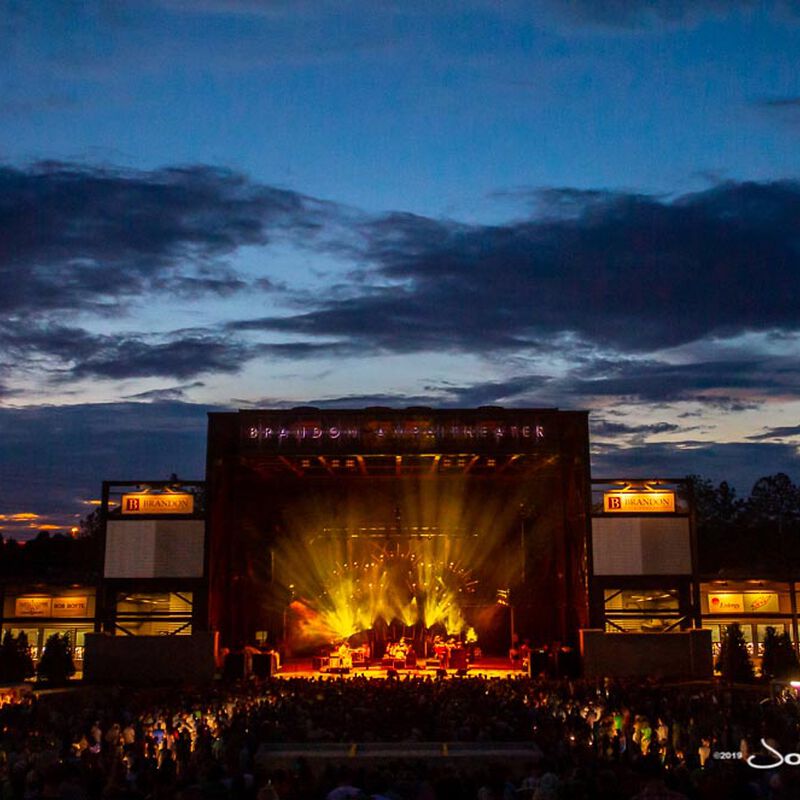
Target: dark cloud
[741, 464]
[79, 237]
[519, 391]
[522, 390]
[628, 272]
[712, 382]
[586, 272]
[785, 110]
[355, 400]
[635, 14]
[54, 457]
[779, 102]
[128, 357]
[74, 353]
[302, 350]
[724, 386]
[603, 427]
[166, 394]
[780, 432]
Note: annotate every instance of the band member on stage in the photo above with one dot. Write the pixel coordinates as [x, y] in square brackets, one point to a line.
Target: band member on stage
[441, 651]
[345, 655]
[398, 650]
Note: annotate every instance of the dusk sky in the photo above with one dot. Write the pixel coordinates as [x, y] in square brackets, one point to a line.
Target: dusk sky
[211, 204]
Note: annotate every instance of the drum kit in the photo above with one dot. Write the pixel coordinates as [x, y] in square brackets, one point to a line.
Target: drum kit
[341, 659]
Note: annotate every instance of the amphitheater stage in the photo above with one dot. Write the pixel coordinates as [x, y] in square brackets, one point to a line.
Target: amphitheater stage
[486, 667]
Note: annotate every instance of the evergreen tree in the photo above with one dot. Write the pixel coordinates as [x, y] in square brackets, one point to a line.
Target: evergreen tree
[769, 657]
[773, 516]
[780, 657]
[56, 665]
[15, 658]
[7, 650]
[785, 661]
[734, 661]
[720, 524]
[25, 668]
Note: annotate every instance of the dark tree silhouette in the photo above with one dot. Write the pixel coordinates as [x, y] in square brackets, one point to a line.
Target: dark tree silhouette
[773, 517]
[779, 660]
[761, 532]
[775, 497]
[54, 557]
[719, 519]
[15, 658]
[734, 661]
[56, 666]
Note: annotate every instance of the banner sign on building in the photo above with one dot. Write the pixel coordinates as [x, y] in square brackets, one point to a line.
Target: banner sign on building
[32, 607]
[656, 501]
[167, 503]
[761, 603]
[743, 603]
[71, 606]
[726, 603]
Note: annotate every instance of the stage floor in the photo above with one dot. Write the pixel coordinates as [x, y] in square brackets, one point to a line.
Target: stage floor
[486, 667]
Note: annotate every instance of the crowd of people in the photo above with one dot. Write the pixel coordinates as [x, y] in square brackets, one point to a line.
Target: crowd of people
[578, 740]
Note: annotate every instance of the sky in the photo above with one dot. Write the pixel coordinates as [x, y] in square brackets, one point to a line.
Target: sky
[222, 204]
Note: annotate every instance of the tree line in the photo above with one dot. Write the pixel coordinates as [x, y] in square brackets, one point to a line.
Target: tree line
[759, 533]
[53, 557]
[55, 667]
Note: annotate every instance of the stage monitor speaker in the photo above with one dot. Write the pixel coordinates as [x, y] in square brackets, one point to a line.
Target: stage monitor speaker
[538, 663]
[233, 670]
[441, 673]
[263, 665]
[319, 663]
[392, 674]
[568, 663]
[462, 673]
[458, 659]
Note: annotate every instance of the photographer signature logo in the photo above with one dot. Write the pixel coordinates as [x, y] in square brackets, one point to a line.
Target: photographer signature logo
[792, 759]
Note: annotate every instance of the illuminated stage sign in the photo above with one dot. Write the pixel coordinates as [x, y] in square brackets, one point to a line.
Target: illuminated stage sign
[654, 502]
[169, 503]
[391, 433]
